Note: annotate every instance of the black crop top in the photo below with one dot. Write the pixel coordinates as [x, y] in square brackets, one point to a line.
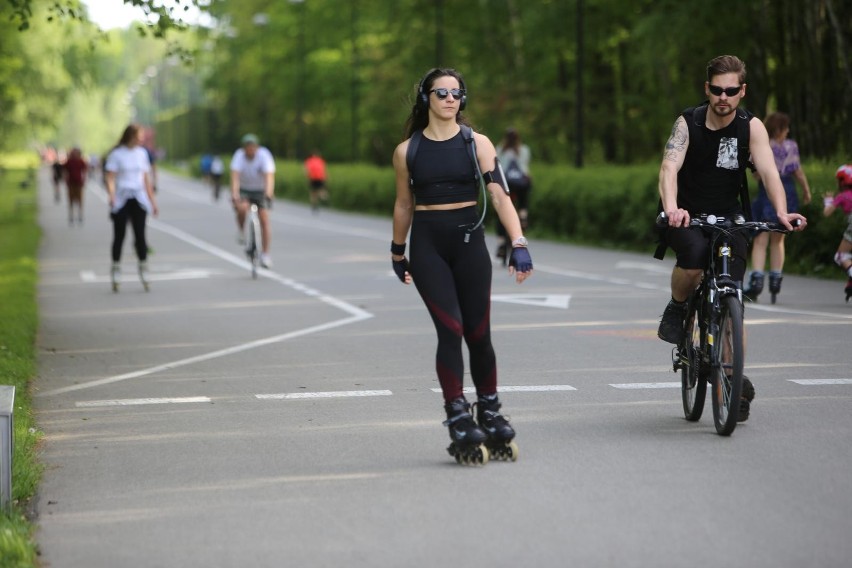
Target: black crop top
[443, 172]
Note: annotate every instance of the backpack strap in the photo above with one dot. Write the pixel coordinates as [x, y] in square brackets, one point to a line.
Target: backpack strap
[411, 152]
[743, 155]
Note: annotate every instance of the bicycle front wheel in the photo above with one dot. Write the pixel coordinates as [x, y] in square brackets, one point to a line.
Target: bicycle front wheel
[693, 381]
[728, 354]
[252, 249]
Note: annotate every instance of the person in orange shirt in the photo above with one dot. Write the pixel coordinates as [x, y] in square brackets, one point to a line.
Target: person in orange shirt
[315, 170]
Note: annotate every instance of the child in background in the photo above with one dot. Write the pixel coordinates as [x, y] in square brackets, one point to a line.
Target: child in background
[843, 200]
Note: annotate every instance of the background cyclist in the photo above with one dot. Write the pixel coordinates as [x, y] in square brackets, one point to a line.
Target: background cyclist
[253, 181]
[701, 172]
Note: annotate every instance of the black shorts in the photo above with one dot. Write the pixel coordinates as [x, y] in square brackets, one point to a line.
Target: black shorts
[692, 246]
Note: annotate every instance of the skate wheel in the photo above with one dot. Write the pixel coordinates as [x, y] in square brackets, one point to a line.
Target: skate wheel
[512, 451]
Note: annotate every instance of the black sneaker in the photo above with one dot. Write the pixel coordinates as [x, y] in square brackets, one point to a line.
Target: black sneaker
[745, 401]
[671, 324]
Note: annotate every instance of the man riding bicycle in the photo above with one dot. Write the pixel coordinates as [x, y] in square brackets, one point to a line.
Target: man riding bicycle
[703, 172]
[253, 181]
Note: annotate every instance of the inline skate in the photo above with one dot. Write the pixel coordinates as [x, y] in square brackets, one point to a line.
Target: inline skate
[115, 276]
[500, 433]
[775, 285]
[755, 287]
[468, 439]
[143, 274]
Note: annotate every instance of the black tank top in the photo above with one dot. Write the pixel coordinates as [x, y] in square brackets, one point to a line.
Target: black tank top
[709, 180]
[443, 172]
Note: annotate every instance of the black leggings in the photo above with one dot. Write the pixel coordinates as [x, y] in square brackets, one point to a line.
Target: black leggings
[136, 214]
[454, 280]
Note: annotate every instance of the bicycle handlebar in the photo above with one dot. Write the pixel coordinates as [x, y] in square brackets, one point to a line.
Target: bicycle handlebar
[738, 223]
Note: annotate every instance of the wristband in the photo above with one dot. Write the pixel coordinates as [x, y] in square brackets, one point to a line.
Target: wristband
[828, 201]
[396, 249]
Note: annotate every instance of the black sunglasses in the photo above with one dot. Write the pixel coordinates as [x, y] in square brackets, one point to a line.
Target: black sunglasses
[730, 91]
[442, 93]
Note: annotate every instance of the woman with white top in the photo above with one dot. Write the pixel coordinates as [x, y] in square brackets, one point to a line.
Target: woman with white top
[131, 198]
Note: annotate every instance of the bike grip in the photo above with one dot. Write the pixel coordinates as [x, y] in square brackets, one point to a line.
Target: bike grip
[662, 220]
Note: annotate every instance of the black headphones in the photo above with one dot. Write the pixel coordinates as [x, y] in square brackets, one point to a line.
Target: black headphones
[423, 97]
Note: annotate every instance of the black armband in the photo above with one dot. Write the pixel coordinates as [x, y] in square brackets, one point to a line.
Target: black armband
[496, 176]
[396, 249]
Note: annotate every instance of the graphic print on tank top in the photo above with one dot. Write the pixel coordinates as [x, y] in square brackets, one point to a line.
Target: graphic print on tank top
[728, 157]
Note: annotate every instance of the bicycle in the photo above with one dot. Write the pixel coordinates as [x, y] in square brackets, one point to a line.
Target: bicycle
[253, 233]
[713, 348]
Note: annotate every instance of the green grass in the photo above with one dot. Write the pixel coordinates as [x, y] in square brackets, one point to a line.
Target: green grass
[19, 237]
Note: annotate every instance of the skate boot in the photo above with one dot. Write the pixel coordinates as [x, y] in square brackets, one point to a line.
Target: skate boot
[500, 433]
[115, 276]
[755, 286]
[143, 274]
[848, 289]
[775, 279]
[468, 440]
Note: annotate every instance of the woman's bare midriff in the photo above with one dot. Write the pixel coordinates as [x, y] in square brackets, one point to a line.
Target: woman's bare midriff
[445, 206]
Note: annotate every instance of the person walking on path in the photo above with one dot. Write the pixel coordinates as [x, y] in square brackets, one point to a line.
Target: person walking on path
[131, 198]
[786, 153]
[436, 199]
[76, 170]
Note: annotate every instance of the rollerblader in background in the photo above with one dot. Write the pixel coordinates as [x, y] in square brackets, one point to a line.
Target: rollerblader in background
[131, 198]
[843, 200]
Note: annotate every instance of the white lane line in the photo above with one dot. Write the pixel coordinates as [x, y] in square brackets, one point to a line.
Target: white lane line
[810, 382]
[357, 314]
[140, 401]
[91, 277]
[521, 388]
[637, 386]
[328, 394]
[204, 357]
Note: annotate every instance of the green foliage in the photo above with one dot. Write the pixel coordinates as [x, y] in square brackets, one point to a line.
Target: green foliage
[19, 235]
[602, 206]
[603, 83]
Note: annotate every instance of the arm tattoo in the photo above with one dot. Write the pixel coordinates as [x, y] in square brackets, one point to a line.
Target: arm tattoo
[676, 144]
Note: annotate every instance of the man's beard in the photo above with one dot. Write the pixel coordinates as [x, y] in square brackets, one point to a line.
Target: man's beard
[724, 111]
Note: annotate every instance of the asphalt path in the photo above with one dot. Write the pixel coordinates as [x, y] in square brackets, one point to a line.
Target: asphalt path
[295, 420]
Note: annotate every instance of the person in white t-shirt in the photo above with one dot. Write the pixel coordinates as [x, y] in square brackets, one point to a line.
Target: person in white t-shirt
[131, 198]
[253, 181]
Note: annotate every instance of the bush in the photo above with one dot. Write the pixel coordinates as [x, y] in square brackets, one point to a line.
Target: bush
[611, 206]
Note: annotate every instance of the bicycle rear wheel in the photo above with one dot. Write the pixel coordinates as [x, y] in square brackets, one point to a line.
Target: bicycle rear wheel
[728, 353]
[693, 381]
